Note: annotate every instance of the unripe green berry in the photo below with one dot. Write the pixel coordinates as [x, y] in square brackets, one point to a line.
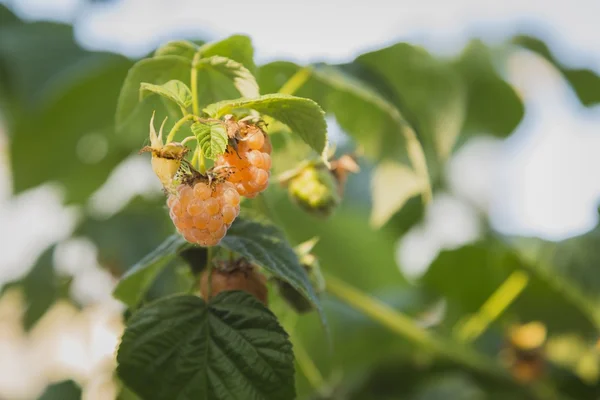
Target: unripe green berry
[314, 189]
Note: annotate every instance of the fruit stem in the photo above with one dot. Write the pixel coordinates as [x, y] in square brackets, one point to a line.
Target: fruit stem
[177, 126]
[209, 268]
[201, 163]
[297, 80]
[187, 139]
[194, 83]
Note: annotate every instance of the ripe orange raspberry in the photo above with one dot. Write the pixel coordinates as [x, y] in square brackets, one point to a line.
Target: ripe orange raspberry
[236, 275]
[247, 160]
[202, 212]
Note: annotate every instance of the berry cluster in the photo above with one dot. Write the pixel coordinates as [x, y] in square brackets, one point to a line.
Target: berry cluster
[247, 160]
[203, 206]
[203, 212]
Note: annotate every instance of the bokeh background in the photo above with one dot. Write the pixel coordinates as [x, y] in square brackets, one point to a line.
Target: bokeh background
[519, 190]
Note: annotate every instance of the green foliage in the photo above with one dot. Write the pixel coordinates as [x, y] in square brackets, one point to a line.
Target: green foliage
[231, 348]
[264, 244]
[236, 47]
[157, 71]
[493, 106]
[303, 116]
[428, 90]
[66, 390]
[134, 284]
[212, 137]
[242, 78]
[173, 90]
[393, 185]
[397, 105]
[585, 82]
[182, 48]
[41, 288]
[468, 276]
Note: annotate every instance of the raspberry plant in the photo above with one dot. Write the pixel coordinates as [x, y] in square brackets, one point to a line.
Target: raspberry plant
[221, 341]
[406, 111]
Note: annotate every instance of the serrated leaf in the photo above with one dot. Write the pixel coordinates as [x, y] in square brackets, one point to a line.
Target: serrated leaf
[236, 47]
[264, 244]
[212, 137]
[303, 116]
[242, 78]
[183, 348]
[133, 285]
[157, 71]
[182, 48]
[173, 90]
[392, 186]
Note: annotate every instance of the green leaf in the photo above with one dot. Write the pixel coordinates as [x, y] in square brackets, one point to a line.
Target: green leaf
[393, 185]
[183, 348]
[242, 78]
[182, 48]
[69, 139]
[134, 284]
[157, 71]
[303, 116]
[493, 106]
[173, 90]
[236, 47]
[468, 276]
[585, 82]
[367, 116]
[428, 90]
[570, 266]
[265, 245]
[65, 390]
[212, 138]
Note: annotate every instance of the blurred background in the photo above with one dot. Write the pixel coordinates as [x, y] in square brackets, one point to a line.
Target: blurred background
[503, 97]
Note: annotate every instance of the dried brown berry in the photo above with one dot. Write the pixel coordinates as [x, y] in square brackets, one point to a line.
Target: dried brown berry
[236, 275]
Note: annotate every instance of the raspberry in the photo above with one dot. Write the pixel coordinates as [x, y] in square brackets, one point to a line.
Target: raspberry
[236, 275]
[203, 212]
[247, 160]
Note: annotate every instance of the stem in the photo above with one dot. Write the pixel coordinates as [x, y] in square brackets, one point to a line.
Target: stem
[306, 364]
[499, 301]
[194, 157]
[404, 326]
[201, 162]
[187, 139]
[452, 350]
[209, 268]
[194, 84]
[178, 126]
[297, 80]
